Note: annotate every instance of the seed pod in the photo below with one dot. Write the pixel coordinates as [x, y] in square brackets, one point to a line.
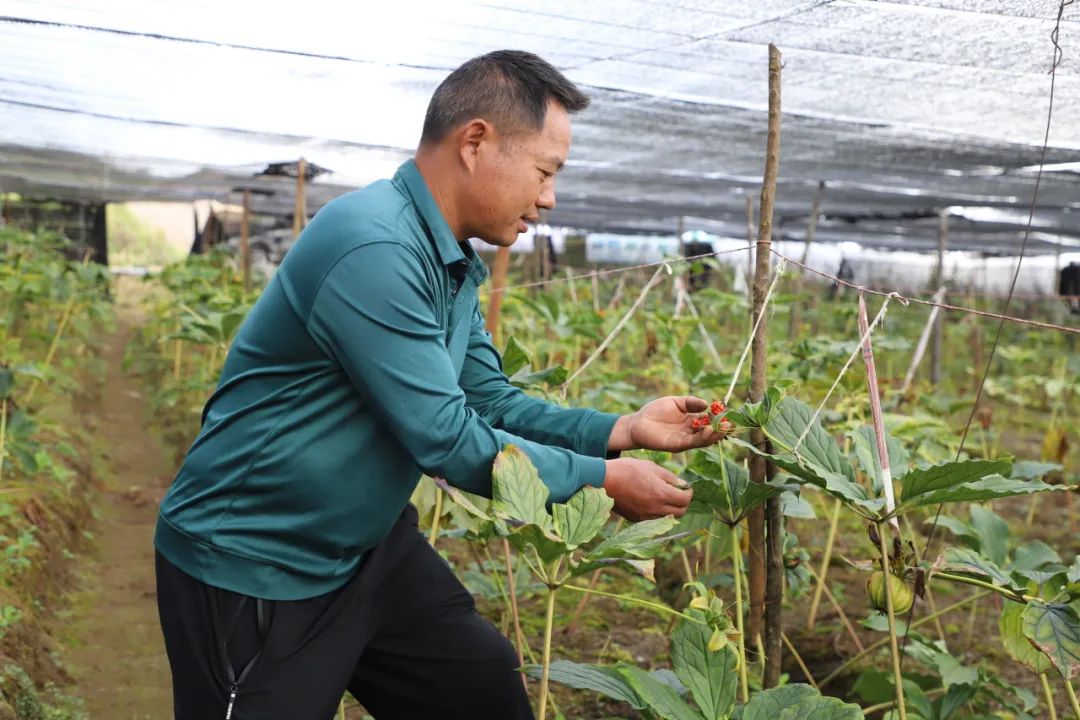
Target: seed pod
[902, 595]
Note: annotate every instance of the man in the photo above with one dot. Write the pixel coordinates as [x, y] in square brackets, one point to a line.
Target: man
[289, 564]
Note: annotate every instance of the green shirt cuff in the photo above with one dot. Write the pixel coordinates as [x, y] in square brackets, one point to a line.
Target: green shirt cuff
[592, 472]
[596, 433]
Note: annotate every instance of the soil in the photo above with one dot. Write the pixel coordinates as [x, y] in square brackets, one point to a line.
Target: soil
[117, 656]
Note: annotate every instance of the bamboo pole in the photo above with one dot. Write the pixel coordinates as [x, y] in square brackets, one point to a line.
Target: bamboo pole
[924, 339]
[939, 280]
[758, 469]
[300, 205]
[245, 245]
[811, 229]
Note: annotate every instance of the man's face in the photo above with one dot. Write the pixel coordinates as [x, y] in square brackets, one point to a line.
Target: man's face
[514, 177]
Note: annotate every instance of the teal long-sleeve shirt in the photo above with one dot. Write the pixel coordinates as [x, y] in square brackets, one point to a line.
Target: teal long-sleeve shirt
[363, 364]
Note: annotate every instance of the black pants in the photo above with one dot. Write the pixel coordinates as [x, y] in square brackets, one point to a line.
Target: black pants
[403, 637]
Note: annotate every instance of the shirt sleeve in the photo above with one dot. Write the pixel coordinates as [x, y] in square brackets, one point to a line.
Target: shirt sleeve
[375, 314]
[507, 407]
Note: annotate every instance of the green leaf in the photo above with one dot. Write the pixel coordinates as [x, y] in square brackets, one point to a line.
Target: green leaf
[864, 442]
[992, 532]
[836, 484]
[1016, 644]
[727, 489]
[578, 521]
[606, 680]
[968, 562]
[548, 546]
[1054, 628]
[988, 488]
[516, 488]
[636, 540]
[710, 676]
[957, 697]
[798, 702]
[691, 361]
[1033, 555]
[1032, 469]
[920, 481]
[794, 505]
[555, 375]
[660, 697]
[515, 357]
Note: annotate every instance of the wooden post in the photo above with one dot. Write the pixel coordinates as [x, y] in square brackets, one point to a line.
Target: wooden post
[939, 281]
[680, 284]
[595, 290]
[750, 246]
[811, 228]
[498, 283]
[245, 246]
[766, 573]
[300, 206]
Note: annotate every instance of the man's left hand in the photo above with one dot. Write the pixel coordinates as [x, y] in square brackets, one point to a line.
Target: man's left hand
[664, 424]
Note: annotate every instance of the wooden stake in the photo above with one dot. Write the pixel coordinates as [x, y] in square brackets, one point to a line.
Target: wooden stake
[920, 349]
[300, 206]
[595, 291]
[939, 280]
[750, 247]
[245, 245]
[765, 606]
[498, 284]
[811, 229]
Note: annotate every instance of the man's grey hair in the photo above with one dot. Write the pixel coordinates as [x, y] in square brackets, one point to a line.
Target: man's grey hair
[508, 88]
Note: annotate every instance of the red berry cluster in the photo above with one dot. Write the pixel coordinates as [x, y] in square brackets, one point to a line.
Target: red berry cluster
[715, 415]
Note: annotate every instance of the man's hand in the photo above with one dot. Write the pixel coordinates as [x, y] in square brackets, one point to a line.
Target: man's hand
[664, 424]
[643, 490]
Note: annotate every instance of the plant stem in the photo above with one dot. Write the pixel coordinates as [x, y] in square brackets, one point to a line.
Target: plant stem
[686, 564]
[840, 612]
[549, 620]
[518, 635]
[68, 308]
[3, 433]
[736, 569]
[1072, 697]
[826, 558]
[1010, 594]
[888, 705]
[1052, 711]
[898, 678]
[798, 660]
[637, 601]
[435, 519]
[884, 641]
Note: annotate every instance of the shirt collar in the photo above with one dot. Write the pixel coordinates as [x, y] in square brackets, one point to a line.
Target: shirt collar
[454, 255]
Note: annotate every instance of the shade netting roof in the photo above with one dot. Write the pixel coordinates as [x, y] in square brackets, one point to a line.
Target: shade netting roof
[899, 107]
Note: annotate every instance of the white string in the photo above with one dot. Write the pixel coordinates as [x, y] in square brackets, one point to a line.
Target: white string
[847, 365]
[750, 341]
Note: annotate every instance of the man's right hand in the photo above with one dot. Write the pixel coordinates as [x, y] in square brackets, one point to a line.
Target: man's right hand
[643, 490]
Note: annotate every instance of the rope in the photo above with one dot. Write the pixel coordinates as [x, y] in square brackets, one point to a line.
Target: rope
[616, 271]
[750, 341]
[931, 303]
[854, 354]
[618, 327]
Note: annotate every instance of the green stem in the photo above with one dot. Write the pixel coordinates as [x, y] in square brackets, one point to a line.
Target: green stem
[3, 433]
[1049, 696]
[884, 641]
[637, 601]
[1010, 594]
[888, 705]
[736, 569]
[435, 520]
[898, 677]
[549, 620]
[1072, 697]
[826, 558]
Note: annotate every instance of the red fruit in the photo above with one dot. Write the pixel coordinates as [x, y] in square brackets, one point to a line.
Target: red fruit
[716, 408]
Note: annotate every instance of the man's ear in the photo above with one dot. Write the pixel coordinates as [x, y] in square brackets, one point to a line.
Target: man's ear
[470, 138]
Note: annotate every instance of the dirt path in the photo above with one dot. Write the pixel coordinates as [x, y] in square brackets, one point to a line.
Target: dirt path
[117, 656]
